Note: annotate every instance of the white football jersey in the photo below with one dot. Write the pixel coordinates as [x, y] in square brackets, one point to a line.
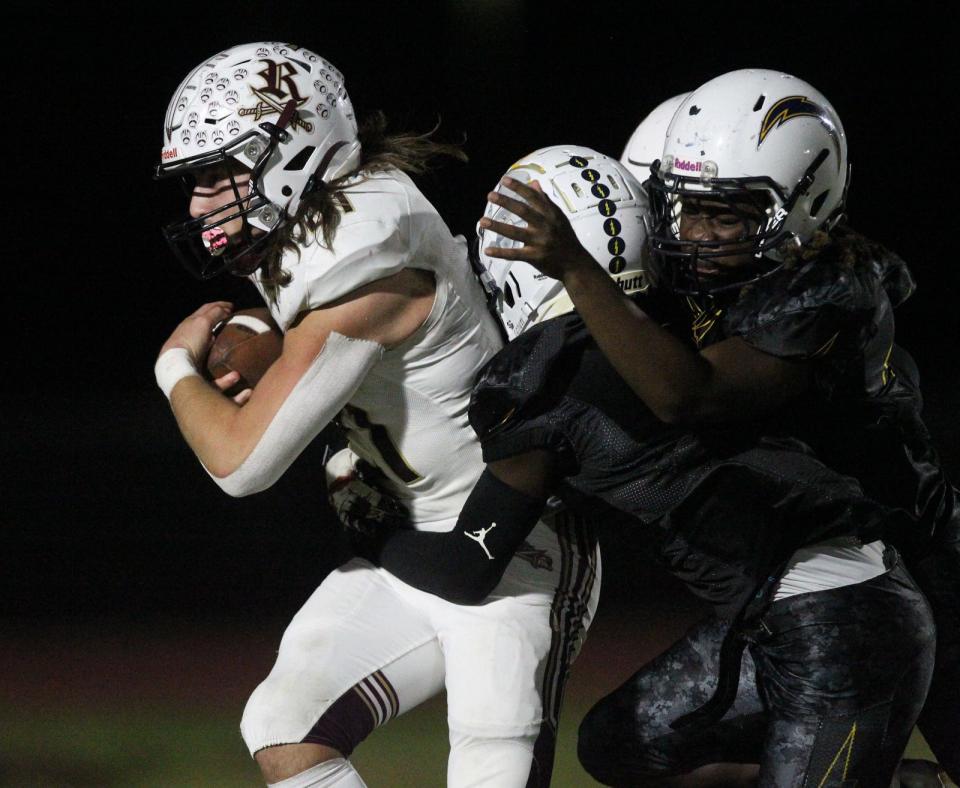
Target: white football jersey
[409, 416]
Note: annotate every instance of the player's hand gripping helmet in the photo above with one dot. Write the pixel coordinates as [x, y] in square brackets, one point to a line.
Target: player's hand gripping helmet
[751, 137]
[645, 145]
[607, 210]
[277, 110]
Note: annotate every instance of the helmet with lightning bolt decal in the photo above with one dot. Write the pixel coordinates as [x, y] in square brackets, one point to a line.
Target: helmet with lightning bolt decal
[767, 148]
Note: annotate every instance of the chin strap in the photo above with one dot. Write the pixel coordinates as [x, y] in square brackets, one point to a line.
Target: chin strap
[278, 131]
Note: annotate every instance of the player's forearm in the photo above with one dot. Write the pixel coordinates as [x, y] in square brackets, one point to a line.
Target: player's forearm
[210, 424]
[465, 564]
[671, 379]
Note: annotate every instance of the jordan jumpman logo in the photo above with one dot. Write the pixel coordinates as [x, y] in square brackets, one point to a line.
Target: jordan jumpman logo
[479, 536]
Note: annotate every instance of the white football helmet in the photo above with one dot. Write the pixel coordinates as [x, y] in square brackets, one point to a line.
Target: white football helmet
[280, 111]
[607, 210]
[751, 136]
[645, 145]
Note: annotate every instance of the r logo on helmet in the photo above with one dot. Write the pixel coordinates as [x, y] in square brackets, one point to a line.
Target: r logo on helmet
[276, 75]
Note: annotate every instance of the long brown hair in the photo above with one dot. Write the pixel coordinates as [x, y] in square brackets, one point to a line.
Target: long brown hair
[320, 209]
[841, 246]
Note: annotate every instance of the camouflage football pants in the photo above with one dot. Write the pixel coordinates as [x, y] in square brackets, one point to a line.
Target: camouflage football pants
[828, 694]
[938, 575]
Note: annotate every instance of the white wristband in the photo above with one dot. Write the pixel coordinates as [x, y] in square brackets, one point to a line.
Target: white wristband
[173, 366]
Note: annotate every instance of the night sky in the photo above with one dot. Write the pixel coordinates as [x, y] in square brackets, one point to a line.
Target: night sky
[105, 512]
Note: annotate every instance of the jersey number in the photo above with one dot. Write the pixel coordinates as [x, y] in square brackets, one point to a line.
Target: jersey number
[389, 453]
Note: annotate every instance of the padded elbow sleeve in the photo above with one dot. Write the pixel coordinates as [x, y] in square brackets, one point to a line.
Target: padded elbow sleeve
[465, 564]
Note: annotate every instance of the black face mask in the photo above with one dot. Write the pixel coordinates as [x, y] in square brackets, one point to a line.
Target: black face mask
[242, 256]
[673, 263]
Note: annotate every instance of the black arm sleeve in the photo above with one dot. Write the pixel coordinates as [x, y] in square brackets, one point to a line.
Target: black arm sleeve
[464, 565]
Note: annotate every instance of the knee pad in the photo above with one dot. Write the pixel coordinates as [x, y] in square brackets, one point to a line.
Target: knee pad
[342, 725]
[611, 755]
[481, 760]
[335, 773]
[255, 725]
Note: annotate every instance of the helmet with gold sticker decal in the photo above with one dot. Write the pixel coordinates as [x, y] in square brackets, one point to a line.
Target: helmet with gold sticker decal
[607, 210]
[275, 110]
[756, 144]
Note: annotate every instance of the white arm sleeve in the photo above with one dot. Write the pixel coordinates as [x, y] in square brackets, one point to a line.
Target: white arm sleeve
[327, 385]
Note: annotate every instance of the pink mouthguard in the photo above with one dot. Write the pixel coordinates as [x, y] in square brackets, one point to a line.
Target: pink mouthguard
[215, 239]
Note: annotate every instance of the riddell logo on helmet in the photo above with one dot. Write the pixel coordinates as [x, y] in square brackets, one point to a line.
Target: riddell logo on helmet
[168, 153]
[688, 166]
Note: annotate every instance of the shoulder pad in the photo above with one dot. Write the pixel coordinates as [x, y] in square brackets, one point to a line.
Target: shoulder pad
[518, 374]
[798, 313]
[372, 241]
[897, 280]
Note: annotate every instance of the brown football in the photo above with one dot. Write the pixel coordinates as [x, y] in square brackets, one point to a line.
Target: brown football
[248, 343]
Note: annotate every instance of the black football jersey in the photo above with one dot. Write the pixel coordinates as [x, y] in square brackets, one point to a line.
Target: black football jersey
[863, 415]
[722, 508]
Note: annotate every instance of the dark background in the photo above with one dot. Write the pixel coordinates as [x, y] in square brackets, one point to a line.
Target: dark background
[106, 515]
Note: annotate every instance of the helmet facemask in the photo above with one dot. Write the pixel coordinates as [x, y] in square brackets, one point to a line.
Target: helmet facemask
[696, 267]
[190, 238]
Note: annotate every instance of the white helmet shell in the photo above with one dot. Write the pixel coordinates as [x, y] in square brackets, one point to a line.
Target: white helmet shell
[767, 130]
[607, 210]
[220, 108]
[645, 145]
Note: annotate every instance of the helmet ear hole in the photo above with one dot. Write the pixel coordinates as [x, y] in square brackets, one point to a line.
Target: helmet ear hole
[818, 202]
[508, 295]
[299, 161]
